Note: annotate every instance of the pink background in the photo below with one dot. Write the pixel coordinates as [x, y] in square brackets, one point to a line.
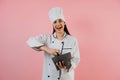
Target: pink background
[96, 24]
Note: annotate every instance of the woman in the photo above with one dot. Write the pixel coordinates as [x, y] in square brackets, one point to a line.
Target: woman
[52, 45]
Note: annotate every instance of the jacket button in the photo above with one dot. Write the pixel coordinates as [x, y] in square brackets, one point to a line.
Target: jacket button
[48, 76]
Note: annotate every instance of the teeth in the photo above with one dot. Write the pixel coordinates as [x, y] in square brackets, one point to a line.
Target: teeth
[59, 28]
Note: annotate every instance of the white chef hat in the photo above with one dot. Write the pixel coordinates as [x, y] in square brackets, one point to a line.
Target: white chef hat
[56, 13]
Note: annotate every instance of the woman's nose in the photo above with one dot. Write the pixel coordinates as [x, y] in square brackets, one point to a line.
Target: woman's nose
[57, 23]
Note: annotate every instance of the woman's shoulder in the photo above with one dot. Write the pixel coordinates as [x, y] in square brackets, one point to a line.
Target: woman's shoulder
[44, 35]
[72, 37]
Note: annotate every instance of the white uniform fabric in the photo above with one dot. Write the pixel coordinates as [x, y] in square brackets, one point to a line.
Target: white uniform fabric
[56, 13]
[70, 45]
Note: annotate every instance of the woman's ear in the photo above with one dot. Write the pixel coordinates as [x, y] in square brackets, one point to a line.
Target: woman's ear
[64, 23]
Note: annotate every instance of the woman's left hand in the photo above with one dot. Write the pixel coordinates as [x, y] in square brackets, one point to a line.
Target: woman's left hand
[61, 65]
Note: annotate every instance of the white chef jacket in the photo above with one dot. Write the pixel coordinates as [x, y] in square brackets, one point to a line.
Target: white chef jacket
[70, 45]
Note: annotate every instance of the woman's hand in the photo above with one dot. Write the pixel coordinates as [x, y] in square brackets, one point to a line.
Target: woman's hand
[55, 52]
[61, 65]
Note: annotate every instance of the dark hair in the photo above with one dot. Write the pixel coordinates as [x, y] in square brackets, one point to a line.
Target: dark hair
[65, 29]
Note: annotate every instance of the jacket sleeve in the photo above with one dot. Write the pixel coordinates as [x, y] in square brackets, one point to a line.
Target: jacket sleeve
[37, 41]
[76, 55]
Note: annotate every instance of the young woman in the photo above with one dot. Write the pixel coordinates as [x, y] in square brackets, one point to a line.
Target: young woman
[52, 44]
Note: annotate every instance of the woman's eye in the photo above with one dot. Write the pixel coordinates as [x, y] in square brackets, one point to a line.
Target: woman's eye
[54, 22]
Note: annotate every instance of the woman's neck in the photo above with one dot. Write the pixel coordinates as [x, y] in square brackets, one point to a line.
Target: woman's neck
[60, 35]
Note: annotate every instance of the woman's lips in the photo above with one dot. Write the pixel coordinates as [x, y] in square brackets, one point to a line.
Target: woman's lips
[58, 27]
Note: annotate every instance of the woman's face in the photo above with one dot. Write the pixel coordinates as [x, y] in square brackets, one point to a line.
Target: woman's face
[58, 25]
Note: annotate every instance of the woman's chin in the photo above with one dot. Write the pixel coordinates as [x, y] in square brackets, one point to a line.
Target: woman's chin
[59, 31]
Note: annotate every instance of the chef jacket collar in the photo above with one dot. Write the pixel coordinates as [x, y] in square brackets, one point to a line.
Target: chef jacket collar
[54, 35]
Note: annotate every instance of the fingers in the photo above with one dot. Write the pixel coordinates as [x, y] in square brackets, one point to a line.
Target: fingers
[57, 52]
[61, 65]
[54, 52]
[58, 65]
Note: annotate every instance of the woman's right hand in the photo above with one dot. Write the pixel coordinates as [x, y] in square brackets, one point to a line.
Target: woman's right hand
[54, 52]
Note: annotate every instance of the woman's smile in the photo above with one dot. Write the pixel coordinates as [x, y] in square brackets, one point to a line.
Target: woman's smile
[58, 27]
